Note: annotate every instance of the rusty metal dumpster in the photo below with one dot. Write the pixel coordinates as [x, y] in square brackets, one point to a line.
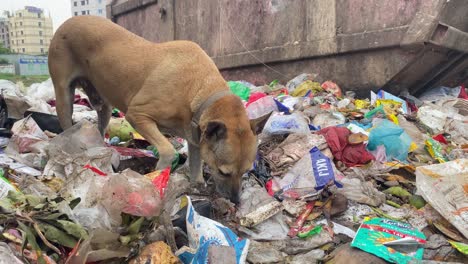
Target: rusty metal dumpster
[361, 44]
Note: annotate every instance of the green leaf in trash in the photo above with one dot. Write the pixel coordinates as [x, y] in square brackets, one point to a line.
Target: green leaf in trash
[397, 191]
[56, 235]
[417, 201]
[74, 203]
[134, 227]
[31, 239]
[6, 204]
[53, 216]
[34, 200]
[16, 198]
[463, 248]
[73, 229]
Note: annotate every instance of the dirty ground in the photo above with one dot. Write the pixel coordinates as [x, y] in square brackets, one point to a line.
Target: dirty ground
[338, 179]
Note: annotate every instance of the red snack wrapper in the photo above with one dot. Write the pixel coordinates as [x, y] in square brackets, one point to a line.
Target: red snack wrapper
[301, 219]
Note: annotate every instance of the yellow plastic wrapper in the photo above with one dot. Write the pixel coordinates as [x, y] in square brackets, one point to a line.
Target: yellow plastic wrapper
[391, 107]
[361, 104]
[393, 118]
[306, 86]
[156, 253]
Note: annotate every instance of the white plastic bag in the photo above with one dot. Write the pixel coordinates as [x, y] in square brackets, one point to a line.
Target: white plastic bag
[203, 233]
[286, 124]
[442, 186]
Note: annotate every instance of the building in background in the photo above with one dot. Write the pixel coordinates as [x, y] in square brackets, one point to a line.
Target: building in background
[4, 32]
[30, 31]
[88, 7]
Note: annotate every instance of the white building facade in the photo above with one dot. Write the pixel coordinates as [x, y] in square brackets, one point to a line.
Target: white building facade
[88, 7]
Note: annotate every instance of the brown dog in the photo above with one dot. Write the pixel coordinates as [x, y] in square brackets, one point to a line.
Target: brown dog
[171, 87]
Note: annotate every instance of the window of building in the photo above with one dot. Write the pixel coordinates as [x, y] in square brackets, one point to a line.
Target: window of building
[83, 12]
[87, 2]
[20, 14]
[75, 3]
[42, 50]
[88, 12]
[40, 33]
[100, 1]
[22, 41]
[21, 32]
[100, 11]
[41, 41]
[3, 30]
[39, 15]
[24, 50]
[40, 24]
[76, 13]
[21, 23]
[82, 2]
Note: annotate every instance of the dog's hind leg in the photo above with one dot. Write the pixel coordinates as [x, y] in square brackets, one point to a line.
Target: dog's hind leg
[149, 130]
[64, 93]
[104, 116]
[103, 109]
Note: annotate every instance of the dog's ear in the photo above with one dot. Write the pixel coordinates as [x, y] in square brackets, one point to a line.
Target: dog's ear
[215, 131]
[258, 124]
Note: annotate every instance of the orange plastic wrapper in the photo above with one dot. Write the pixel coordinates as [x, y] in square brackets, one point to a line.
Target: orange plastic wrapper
[333, 88]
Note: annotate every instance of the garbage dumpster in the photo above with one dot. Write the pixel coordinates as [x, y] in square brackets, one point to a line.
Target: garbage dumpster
[361, 44]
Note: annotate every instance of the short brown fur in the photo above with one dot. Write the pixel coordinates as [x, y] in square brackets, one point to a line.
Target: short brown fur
[159, 87]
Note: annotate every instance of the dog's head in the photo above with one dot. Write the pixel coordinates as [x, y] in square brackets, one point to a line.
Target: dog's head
[229, 146]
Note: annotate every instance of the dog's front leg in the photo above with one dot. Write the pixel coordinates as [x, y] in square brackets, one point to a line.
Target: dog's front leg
[149, 130]
[195, 164]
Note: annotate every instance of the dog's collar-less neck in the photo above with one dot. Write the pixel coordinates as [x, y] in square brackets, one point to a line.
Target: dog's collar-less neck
[196, 132]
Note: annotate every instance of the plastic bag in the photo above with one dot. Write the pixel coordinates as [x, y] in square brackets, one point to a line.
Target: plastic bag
[361, 192]
[332, 88]
[439, 93]
[7, 256]
[306, 87]
[252, 197]
[308, 176]
[240, 90]
[296, 81]
[442, 185]
[26, 133]
[131, 193]
[42, 91]
[433, 118]
[9, 88]
[203, 233]
[293, 148]
[328, 120]
[397, 143]
[286, 124]
[261, 107]
[394, 241]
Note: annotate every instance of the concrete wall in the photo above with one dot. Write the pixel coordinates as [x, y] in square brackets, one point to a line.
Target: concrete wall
[7, 68]
[360, 43]
[28, 64]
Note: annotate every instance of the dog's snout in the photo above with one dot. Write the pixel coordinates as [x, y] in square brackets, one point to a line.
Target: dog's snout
[235, 198]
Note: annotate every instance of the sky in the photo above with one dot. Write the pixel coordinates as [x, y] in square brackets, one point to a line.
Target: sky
[60, 10]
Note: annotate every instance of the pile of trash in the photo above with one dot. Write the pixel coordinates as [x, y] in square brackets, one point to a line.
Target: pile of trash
[337, 179]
